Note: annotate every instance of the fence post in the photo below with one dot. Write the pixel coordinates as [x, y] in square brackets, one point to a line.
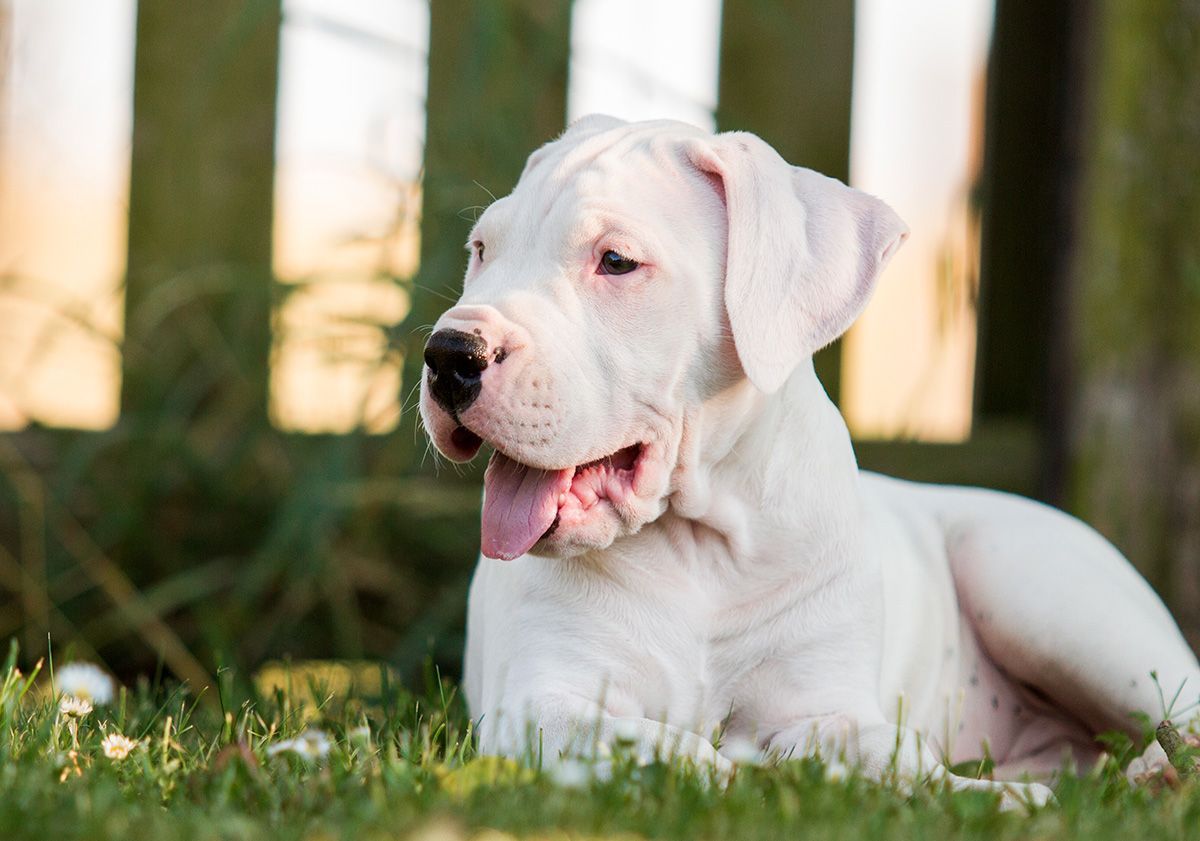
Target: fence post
[497, 90]
[198, 288]
[786, 75]
[1035, 103]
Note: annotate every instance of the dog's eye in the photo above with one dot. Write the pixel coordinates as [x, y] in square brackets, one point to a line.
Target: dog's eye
[478, 246]
[614, 263]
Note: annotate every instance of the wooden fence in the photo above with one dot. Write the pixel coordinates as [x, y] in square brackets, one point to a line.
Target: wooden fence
[194, 402]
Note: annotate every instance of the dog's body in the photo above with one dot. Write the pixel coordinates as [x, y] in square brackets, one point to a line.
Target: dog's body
[726, 567]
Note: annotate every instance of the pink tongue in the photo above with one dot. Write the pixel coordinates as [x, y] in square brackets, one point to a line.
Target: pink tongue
[519, 505]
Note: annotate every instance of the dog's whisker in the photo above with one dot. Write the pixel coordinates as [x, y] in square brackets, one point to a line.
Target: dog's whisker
[408, 403]
[445, 296]
[475, 211]
[485, 189]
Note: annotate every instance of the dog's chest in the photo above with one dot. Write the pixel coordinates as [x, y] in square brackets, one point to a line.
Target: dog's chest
[711, 654]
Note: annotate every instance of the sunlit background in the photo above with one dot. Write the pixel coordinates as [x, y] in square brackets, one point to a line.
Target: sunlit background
[350, 132]
[227, 227]
[67, 114]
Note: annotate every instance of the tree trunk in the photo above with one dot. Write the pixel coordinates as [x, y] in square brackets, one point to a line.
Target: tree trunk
[1135, 459]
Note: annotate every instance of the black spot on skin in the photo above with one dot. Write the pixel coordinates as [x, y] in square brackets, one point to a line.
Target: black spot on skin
[995, 703]
[501, 355]
[974, 680]
[1133, 684]
[478, 331]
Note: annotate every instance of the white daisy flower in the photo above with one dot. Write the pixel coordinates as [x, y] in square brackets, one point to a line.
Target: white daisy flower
[117, 747]
[573, 772]
[311, 744]
[87, 681]
[836, 772]
[570, 773]
[71, 707]
[602, 770]
[626, 731]
[742, 751]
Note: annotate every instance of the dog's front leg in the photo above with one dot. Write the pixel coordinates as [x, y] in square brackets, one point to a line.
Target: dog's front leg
[649, 740]
[890, 753]
[555, 727]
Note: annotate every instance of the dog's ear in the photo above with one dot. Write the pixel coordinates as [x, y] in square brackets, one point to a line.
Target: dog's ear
[803, 254]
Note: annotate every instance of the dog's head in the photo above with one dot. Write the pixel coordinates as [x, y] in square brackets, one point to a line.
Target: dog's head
[636, 271]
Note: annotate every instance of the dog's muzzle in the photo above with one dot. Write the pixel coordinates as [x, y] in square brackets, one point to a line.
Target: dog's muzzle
[456, 361]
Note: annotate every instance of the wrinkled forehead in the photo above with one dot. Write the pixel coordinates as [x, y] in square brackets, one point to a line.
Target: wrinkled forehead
[630, 175]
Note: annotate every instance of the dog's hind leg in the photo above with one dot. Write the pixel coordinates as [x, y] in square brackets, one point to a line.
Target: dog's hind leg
[895, 754]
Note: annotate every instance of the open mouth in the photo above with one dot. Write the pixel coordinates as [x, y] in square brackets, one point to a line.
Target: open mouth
[523, 504]
[466, 441]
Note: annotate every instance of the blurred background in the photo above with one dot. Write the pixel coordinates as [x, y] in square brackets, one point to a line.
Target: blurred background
[225, 228]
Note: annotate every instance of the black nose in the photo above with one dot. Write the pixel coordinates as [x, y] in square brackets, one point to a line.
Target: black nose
[455, 360]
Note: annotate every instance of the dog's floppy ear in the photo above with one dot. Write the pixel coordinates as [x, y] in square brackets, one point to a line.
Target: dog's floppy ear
[804, 251]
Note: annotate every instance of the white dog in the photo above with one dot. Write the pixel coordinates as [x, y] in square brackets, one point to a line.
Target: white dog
[694, 549]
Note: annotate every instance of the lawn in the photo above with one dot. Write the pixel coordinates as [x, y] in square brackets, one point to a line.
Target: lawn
[345, 753]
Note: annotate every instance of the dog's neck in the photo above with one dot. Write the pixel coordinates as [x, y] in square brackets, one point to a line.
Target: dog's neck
[764, 471]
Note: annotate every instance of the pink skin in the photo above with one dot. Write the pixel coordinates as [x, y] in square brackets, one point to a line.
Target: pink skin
[612, 480]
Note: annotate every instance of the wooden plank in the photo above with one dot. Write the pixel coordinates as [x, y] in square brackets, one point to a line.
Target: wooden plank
[497, 91]
[200, 208]
[1030, 173]
[786, 75]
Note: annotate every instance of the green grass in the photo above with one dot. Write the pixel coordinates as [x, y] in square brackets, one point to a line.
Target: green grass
[204, 768]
